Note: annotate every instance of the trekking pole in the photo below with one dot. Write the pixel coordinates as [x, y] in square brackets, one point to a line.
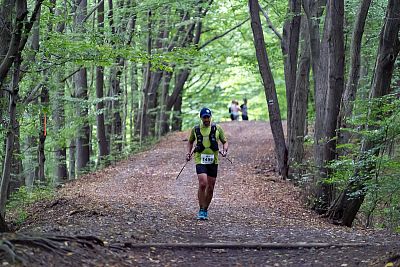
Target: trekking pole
[181, 170]
[191, 153]
[225, 157]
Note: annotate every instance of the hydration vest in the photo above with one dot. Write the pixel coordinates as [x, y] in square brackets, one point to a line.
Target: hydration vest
[213, 140]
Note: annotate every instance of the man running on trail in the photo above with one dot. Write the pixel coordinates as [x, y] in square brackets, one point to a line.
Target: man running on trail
[206, 152]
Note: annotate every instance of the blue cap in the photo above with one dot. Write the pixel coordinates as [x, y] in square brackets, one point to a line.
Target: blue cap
[205, 112]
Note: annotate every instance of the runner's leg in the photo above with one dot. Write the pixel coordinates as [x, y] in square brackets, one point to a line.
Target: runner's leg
[201, 194]
[209, 190]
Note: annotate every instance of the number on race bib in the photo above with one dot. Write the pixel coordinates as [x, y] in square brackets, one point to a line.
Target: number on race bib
[207, 159]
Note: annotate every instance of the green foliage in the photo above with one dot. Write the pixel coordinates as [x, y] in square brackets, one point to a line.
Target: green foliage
[230, 65]
[25, 196]
[377, 169]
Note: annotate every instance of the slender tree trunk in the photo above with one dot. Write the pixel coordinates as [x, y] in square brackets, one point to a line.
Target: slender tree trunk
[164, 127]
[16, 179]
[313, 11]
[116, 107]
[290, 47]
[44, 101]
[101, 130]
[135, 103]
[125, 110]
[334, 95]
[177, 114]
[59, 124]
[10, 137]
[144, 124]
[59, 114]
[81, 92]
[31, 162]
[270, 91]
[298, 118]
[347, 205]
[72, 159]
[354, 74]
[3, 225]
[6, 12]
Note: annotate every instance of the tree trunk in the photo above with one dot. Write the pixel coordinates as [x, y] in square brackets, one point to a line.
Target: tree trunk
[6, 12]
[164, 126]
[101, 129]
[333, 97]
[269, 86]
[8, 157]
[115, 85]
[31, 162]
[16, 37]
[81, 92]
[354, 74]
[314, 10]
[72, 159]
[290, 47]
[59, 124]
[298, 119]
[44, 101]
[177, 114]
[144, 123]
[16, 179]
[59, 115]
[3, 225]
[348, 204]
[135, 103]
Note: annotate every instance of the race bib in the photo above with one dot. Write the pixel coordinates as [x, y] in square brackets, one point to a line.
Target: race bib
[207, 158]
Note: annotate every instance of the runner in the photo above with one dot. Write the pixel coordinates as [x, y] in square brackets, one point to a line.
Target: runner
[206, 152]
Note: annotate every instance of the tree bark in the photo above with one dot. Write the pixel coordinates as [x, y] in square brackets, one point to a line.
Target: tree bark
[313, 10]
[144, 124]
[16, 179]
[59, 115]
[350, 92]
[347, 204]
[290, 47]
[177, 114]
[333, 97]
[81, 92]
[135, 103]
[101, 129]
[270, 91]
[10, 137]
[298, 118]
[59, 124]
[72, 159]
[164, 126]
[44, 101]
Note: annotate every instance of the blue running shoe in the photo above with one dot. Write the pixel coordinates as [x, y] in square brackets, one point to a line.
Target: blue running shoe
[202, 215]
[205, 213]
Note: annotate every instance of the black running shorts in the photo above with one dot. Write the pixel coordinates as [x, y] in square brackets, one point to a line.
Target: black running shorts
[210, 169]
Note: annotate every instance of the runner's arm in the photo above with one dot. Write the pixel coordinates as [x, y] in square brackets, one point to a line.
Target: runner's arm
[224, 142]
[189, 146]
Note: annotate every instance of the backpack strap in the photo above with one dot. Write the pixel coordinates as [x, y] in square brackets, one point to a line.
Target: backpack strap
[199, 138]
[213, 138]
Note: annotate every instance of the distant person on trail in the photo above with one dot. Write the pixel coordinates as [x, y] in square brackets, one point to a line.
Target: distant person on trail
[234, 110]
[243, 108]
[206, 152]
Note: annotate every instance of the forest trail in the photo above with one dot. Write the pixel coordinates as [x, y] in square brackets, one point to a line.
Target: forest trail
[139, 201]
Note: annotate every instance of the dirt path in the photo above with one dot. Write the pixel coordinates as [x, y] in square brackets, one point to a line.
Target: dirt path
[138, 201]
